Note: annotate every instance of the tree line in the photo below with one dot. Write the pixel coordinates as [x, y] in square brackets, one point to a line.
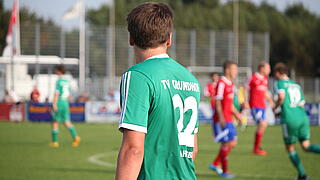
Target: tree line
[294, 33]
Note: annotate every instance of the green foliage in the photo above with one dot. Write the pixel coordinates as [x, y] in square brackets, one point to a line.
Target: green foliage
[294, 33]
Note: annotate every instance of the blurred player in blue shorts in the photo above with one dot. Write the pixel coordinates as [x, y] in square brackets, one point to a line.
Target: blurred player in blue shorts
[224, 130]
[258, 94]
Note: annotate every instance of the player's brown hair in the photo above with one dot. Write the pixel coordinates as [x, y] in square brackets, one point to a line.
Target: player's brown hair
[150, 24]
[262, 64]
[281, 68]
[213, 73]
[60, 68]
[227, 64]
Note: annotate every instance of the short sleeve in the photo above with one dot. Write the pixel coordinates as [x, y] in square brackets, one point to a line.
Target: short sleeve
[278, 88]
[220, 91]
[302, 101]
[206, 91]
[135, 100]
[57, 89]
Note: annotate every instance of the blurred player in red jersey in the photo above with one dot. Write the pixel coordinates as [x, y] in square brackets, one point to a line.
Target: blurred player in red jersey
[210, 90]
[224, 130]
[258, 94]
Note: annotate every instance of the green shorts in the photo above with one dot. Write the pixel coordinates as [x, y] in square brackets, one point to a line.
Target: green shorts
[295, 132]
[63, 113]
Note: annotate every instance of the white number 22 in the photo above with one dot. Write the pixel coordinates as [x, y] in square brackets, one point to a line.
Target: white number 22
[295, 96]
[186, 136]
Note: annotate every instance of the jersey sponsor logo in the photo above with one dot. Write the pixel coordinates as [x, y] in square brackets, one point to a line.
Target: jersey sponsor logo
[185, 153]
[180, 85]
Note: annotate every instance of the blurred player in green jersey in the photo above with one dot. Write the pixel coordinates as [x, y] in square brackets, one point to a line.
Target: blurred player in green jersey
[61, 112]
[294, 120]
[159, 101]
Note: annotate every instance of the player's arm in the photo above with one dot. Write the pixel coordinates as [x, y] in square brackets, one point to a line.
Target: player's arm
[281, 96]
[195, 149]
[245, 98]
[236, 114]
[246, 93]
[131, 155]
[206, 91]
[219, 98]
[220, 113]
[135, 95]
[56, 97]
[269, 99]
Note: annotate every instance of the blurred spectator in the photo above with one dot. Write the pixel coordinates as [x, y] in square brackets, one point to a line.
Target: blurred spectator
[113, 96]
[35, 95]
[84, 97]
[210, 90]
[7, 97]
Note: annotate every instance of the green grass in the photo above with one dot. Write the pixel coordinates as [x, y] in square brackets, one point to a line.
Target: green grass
[25, 155]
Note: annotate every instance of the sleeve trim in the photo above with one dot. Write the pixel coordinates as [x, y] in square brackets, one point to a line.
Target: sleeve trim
[219, 97]
[133, 127]
[281, 91]
[196, 130]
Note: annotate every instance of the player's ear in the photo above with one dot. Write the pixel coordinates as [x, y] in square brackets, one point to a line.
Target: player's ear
[131, 42]
[169, 41]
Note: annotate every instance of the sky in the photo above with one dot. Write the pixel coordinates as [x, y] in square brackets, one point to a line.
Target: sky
[56, 8]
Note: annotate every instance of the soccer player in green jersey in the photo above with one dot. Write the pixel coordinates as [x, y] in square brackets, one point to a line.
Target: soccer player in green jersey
[61, 112]
[159, 101]
[294, 120]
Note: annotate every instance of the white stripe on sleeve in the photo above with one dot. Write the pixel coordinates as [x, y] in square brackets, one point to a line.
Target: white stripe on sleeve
[133, 127]
[219, 95]
[126, 91]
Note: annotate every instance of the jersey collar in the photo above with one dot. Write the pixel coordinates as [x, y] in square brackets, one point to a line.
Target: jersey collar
[226, 80]
[259, 75]
[164, 55]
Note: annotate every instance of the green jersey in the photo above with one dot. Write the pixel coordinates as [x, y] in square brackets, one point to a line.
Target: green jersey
[63, 88]
[160, 98]
[292, 110]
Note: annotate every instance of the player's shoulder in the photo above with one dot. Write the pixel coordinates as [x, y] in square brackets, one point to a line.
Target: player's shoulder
[157, 67]
[149, 65]
[225, 81]
[253, 76]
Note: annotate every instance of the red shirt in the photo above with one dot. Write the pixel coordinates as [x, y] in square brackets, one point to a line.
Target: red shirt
[225, 94]
[258, 86]
[210, 91]
[35, 95]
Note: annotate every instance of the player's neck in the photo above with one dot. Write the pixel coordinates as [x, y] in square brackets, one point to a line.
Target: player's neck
[228, 77]
[261, 73]
[143, 54]
[284, 77]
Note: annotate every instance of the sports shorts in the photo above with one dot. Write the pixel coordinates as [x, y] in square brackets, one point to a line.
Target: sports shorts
[292, 133]
[63, 113]
[258, 114]
[226, 134]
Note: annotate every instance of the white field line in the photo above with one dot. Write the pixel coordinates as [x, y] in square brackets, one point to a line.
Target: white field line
[248, 175]
[95, 159]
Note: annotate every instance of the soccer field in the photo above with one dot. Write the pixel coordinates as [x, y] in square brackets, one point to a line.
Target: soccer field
[25, 154]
